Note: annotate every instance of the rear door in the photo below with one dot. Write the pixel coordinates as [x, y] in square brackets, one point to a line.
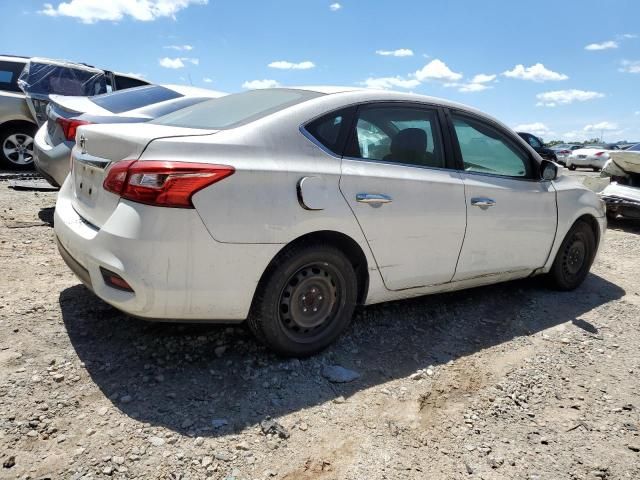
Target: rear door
[511, 213]
[398, 178]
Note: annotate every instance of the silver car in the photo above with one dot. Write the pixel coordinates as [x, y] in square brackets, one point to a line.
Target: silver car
[56, 137]
[17, 125]
[25, 87]
[289, 207]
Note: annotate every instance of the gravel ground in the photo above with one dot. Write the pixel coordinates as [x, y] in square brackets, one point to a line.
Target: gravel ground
[505, 382]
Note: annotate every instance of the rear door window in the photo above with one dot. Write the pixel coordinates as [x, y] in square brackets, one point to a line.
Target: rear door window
[398, 134]
[128, 82]
[9, 73]
[330, 130]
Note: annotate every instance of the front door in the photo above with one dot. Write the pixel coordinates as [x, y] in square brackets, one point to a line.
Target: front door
[408, 201]
[511, 213]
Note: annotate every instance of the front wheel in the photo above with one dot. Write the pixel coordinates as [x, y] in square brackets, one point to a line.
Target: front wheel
[305, 300]
[17, 147]
[574, 258]
[596, 169]
[571, 167]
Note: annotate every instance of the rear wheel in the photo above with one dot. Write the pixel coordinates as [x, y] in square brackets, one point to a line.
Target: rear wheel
[596, 169]
[574, 258]
[571, 167]
[16, 147]
[305, 301]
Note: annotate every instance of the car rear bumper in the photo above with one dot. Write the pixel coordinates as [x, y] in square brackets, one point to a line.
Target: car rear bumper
[51, 162]
[176, 270]
[585, 162]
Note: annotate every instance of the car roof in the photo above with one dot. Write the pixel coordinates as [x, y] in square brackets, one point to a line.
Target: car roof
[371, 94]
[14, 58]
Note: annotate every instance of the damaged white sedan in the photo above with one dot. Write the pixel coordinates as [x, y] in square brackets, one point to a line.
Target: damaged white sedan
[622, 195]
[289, 207]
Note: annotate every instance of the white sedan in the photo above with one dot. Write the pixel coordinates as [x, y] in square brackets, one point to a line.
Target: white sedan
[289, 207]
[591, 156]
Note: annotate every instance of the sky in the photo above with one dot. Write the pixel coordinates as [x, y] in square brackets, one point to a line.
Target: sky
[561, 69]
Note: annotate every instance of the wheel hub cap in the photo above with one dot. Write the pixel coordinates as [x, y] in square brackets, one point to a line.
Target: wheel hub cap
[18, 148]
[575, 256]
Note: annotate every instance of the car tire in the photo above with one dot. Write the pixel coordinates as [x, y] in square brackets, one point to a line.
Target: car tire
[574, 258]
[304, 300]
[16, 147]
[571, 167]
[596, 169]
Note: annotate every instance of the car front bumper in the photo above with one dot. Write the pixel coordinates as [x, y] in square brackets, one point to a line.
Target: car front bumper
[176, 269]
[51, 162]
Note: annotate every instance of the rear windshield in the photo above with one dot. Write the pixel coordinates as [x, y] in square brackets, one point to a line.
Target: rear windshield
[235, 110]
[133, 98]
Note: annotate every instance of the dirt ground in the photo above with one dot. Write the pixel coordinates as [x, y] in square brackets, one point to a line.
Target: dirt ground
[512, 381]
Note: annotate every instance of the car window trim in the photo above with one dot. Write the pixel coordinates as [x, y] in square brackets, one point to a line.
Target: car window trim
[437, 109]
[533, 164]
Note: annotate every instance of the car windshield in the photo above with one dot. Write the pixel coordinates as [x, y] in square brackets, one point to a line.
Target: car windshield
[133, 98]
[235, 110]
[635, 148]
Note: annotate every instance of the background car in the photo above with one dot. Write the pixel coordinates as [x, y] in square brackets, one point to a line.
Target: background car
[25, 85]
[56, 137]
[590, 156]
[563, 150]
[288, 207]
[538, 145]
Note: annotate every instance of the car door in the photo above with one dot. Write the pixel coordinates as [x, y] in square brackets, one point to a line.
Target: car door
[511, 213]
[399, 179]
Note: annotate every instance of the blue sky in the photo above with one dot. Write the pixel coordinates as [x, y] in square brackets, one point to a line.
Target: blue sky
[563, 69]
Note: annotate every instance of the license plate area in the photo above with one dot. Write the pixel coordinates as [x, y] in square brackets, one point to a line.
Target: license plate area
[88, 182]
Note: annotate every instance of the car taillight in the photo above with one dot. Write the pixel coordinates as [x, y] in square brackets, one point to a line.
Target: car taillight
[162, 183]
[565, 152]
[599, 154]
[69, 127]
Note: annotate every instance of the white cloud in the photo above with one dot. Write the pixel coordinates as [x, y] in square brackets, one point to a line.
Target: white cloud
[437, 70]
[565, 97]
[630, 67]
[637, 112]
[92, 11]
[179, 62]
[401, 52]
[536, 73]
[180, 48]
[537, 128]
[260, 84]
[384, 83]
[602, 46]
[207, 80]
[334, 7]
[483, 78]
[134, 74]
[471, 87]
[284, 65]
[598, 127]
[629, 35]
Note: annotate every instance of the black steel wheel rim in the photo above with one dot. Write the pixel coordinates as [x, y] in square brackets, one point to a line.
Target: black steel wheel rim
[310, 301]
[574, 257]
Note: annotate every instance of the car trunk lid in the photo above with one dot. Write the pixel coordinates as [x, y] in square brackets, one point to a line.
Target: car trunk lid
[97, 147]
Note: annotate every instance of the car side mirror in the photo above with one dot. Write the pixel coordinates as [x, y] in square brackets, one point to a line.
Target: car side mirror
[548, 170]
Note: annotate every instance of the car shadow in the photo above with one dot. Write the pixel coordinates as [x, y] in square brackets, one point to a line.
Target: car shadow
[46, 215]
[629, 225]
[206, 380]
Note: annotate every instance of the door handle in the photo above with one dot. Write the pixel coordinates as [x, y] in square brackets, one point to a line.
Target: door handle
[373, 198]
[482, 202]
